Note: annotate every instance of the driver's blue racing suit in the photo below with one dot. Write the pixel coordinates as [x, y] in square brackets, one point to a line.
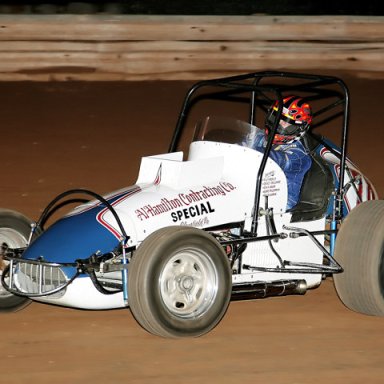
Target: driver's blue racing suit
[294, 160]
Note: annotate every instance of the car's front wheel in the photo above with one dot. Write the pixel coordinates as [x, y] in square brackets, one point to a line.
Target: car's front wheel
[179, 282]
[14, 232]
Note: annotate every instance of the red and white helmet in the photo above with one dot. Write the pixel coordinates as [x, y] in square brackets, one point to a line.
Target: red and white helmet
[296, 116]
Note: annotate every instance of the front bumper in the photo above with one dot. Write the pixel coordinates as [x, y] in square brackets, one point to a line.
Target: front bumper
[35, 278]
[64, 284]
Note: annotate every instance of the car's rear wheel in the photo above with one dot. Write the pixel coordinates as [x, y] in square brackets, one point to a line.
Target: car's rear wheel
[14, 232]
[179, 282]
[360, 251]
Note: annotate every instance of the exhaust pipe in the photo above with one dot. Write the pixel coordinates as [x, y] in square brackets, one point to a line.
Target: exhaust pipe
[263, 290]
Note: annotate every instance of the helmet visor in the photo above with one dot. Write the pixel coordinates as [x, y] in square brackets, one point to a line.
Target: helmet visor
[286, 125]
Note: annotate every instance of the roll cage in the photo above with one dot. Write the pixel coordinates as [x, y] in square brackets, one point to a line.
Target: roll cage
[259, 90]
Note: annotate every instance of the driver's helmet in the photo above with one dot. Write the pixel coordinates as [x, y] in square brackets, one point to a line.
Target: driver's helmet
[296, 116]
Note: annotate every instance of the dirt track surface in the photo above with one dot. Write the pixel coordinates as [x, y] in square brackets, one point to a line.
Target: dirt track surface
[57, 136]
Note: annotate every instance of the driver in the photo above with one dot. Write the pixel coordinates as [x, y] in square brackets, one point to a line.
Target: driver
[288, 150]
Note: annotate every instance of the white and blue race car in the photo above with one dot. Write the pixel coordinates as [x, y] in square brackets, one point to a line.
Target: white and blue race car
[207, 223]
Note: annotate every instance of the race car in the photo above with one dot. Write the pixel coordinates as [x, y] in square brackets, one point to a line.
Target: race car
[207, 222]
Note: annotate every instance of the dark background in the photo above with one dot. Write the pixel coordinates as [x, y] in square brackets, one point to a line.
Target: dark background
[188, 7]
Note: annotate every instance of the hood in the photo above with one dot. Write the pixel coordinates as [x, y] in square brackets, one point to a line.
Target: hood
[79, 234]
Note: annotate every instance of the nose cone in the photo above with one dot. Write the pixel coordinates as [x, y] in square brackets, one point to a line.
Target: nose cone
[71, 238]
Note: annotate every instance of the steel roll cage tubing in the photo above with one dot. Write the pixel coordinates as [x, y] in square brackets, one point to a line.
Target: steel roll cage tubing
[233, 82]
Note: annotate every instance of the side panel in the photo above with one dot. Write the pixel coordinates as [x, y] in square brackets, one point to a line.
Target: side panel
[215, 186]
[241, 165]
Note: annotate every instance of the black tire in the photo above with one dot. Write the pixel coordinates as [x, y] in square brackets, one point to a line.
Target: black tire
[360, 251]
[179, 282]
[14, 232]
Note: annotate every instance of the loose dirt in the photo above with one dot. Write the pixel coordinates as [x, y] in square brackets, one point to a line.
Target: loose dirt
[58, 136]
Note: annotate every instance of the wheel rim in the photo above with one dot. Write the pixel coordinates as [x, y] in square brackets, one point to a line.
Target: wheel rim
[188, 284]
[13, 239]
